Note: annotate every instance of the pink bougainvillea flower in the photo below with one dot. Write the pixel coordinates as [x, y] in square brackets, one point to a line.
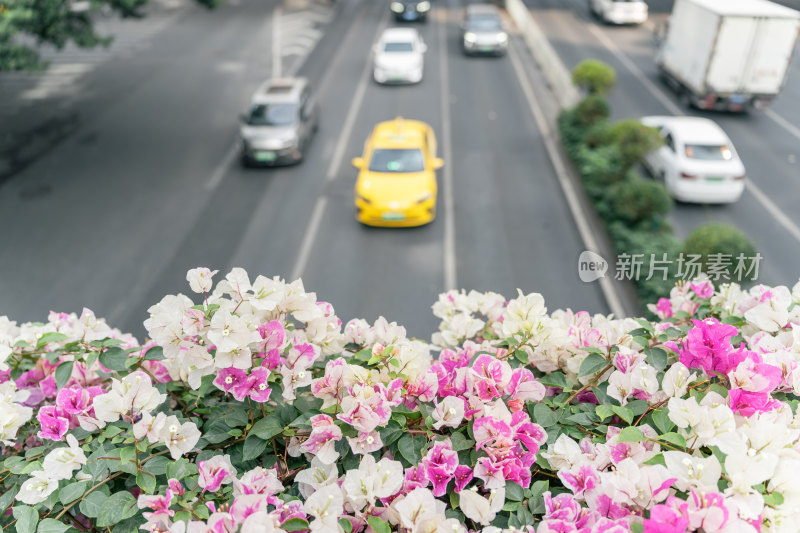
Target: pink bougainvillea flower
[233, 380]
[664, 308]
[666, 519]
[708, 346]
[215, 472]
[462, 476]
[54, 426]
[748, 403]
[257, 383]
[74, 400]
[579, 479]
[703, 289]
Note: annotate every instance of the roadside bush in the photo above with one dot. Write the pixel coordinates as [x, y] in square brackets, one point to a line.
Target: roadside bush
[634, 140]
[571, 130]
[648, 249]
[639, 203]
[719, 244]
[591, 109]
[600, 167]
[594, 77]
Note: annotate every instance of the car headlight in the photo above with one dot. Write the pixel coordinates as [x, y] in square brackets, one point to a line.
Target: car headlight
[423, 6]
[502, 37]
[397, 7]
[470, 37]
[424, 198]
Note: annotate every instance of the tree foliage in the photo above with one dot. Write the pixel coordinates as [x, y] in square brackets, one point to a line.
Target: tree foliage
[593, 76]
[57, 23]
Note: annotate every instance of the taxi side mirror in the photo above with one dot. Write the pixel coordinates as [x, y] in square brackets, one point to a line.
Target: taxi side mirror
[438, 162]
[358, 162]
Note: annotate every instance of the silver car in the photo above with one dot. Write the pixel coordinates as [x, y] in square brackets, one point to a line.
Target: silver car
[483, 31]
[277, 129]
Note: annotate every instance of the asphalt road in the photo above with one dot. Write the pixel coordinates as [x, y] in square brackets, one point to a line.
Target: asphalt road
[145, 185]
[768, 143]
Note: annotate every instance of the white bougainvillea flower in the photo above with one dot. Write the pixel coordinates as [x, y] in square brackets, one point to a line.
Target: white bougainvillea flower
[179, 438]
[259, 522]
[449, 413]
[701, 473]
[418, 506]
[676, 380]
[317, 476]
[325, 506]
[372, 480]
[61, 462]
[481, 509]
[37, 488]
[127, 398]
[200, 279]
[13, 414]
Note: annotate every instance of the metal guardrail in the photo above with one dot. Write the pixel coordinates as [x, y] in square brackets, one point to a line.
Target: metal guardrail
[556, 74]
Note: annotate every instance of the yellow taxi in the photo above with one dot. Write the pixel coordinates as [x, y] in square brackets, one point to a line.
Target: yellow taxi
[396, 183]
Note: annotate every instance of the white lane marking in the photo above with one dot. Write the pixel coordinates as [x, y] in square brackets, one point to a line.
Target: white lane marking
[319, 208]
[309, 238]
[222, 167]
[449, 244]
[762, 198]
[584, 229]
[660, 95]
[350, 119]
[782, 122]
[276, 43]
[774, 210]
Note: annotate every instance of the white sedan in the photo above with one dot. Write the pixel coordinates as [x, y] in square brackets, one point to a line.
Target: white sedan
[398, 56]
[620, 11]
[697, 161]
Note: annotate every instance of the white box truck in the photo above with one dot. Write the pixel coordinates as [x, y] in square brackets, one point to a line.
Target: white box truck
[728, 54]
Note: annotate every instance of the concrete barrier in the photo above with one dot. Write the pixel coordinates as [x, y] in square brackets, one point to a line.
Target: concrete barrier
[557, 75]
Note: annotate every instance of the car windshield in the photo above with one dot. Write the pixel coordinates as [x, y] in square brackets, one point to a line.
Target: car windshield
[398, 47]
[272, 115]
[397, 160]
[483, 23]
[708, 152]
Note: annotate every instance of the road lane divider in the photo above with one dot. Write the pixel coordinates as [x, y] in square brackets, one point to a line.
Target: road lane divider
[222, 167]
[449, 244]
[310, 236]
[549, 139]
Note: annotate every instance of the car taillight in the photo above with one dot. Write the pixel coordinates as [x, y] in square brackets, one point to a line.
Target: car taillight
[740, 177]
[686, 176]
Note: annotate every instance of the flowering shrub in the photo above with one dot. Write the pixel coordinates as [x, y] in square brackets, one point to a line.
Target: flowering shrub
[254, 410]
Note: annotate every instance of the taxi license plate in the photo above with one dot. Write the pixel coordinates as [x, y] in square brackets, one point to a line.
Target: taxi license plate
[393, 216]
[265, 156]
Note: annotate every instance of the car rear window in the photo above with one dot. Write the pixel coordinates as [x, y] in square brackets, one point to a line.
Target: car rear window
[398, 47]
[272, 115]
[483, 23]
[708, 152]
[397, 160]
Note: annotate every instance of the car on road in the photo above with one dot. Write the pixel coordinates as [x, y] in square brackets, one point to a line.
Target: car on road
[619, 11]
[410, 10]
[697, 160]
[398, 56]
[482, 30]
[280, 123]
[396, 184]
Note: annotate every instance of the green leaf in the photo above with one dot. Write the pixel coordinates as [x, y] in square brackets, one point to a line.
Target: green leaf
[410, 447]
[180, 469]
[346, 524]
[112, 431]
[73, 491]
[637, 527]
[455, 500]
[391, 433]
[47, 338]
[27, 518]
[641, 341]
[114, 359]
[656, 357]
[623, 412]
[253, 447]
[544, 416]
[604, 411]
[773, 499]
[268, 427]
[156, 353]
[116, 508]
[513, 491]
[554, 379]
[146, 482]
[127, 454]
[63, 373]
[674, 438]
[294, 524]
[378, 525]
[657, 459]
[662, 421]
[521, 356]
[630, 434]
[460, 442]
[638, 407]
[157, 465]
[592, 364]
[51, 525]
